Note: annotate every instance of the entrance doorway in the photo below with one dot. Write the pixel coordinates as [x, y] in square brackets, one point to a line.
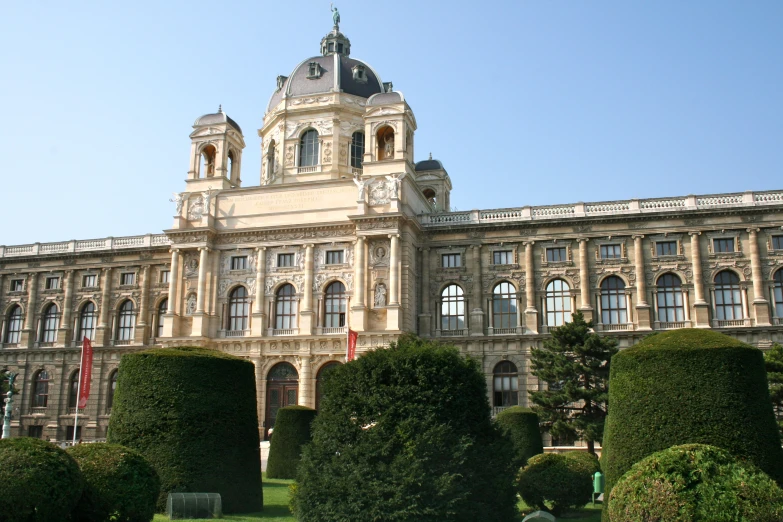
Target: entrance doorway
[282, 389]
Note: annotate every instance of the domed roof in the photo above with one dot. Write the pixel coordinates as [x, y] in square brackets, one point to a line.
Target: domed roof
[429, 164]
[218, 117]
[386, 98]
[334, 71]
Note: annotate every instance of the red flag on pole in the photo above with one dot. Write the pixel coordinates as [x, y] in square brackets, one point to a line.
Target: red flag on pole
[351, 350]
[85, 373]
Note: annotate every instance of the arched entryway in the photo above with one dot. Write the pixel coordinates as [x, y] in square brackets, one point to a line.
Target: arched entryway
[282, 389]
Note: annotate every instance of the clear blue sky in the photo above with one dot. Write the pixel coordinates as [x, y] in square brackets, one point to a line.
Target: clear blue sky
[525, 102]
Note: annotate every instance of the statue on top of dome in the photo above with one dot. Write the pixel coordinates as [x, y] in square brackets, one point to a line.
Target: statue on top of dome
[335, 15]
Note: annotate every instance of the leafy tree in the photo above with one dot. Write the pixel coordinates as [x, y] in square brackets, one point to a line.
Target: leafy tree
[773, 360]
[574, 363]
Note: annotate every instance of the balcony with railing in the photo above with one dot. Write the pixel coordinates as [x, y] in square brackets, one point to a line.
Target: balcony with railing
[86, 245]
[43, 344]
[281, 332]
[72, 411]
[459, 332]
[233, 333]
[777, 321]
[505, 331]
[671, 325]
[122, 342]
[333, 330]
[601, 327]
[732, 323]
[308, 170]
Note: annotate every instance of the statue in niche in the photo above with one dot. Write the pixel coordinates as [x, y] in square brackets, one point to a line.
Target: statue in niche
[190, 306]
[361, 185]
[178, 200]
[380, 295]
[394, 182]
[388, 146]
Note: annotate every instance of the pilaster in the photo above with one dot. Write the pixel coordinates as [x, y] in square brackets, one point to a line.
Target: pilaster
[103, 331]
[760, 304]
[393, 310]
[359, 307]
[701, 310]
[584, 280]
[477, 313]
[200, 325]
[643, 310]
[425, 317]
[306, 314]
[65, 335]
[531, 313]
[259, 305]
[28, 332]
[170, 319]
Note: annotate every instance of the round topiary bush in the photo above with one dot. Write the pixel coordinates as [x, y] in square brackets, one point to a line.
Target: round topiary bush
[520, 426]
[405, 433]
[554, 483]
[191, 412]
[684, 387]
[39, 482]
[695, 482]
[587, 460]
[292, 431]
[119, 484]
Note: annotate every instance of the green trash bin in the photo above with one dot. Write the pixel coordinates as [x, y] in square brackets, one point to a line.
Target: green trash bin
[598, 485]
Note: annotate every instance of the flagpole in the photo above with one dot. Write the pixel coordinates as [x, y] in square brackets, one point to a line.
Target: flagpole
[78, 393]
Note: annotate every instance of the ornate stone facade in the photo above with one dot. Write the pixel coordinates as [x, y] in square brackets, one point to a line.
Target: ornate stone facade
[276, 272]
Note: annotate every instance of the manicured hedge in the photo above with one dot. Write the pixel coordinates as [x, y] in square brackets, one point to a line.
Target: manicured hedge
[587, 460]
[119, 484]
[689, 386]
[191, 412]
[695, 482]
[405, 434]
[39, 482]
[520, 426]
[292, 431]
[554, 479]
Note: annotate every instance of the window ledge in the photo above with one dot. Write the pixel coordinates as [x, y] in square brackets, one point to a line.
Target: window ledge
[556, 264]
[612, 261]
[663, 259]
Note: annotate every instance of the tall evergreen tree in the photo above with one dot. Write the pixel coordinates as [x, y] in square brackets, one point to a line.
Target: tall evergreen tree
[773, 360]
[574, 363]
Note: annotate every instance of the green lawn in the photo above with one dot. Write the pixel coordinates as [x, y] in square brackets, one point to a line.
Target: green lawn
[276, 507]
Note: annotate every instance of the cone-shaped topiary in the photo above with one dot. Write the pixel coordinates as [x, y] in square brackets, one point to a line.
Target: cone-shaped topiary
[520, 426]
[191, 412]
[119, 484]
[39, 482]
[689, 386]
[292, 431]
[695, 482]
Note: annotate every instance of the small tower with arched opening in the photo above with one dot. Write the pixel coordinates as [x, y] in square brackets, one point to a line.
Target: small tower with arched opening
[215, 153]
[435, 184]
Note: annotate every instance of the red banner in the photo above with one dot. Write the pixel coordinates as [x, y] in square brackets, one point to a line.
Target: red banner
[351, 350]
[84, 373]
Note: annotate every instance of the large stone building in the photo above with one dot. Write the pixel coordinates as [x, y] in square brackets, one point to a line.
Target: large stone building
[347, 229]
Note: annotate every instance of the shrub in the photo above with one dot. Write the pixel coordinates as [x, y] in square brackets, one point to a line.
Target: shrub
[520, 426]
[119, 485]
[191, 412]
[689, 386]
[39, 482]
[292, 431]
[695, 482]
[405, 434]
[563, 483]
[588, 461]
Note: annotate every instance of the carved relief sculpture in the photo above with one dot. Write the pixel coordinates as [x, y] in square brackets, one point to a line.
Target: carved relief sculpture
[380, 295]
[393, 183]
[190, 305]
[361, 185]
[178, 200]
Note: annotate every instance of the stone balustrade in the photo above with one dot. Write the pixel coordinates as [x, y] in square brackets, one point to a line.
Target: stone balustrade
[88, 245]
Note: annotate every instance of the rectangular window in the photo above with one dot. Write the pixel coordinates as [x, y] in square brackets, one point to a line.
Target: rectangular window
[611, 252]
[284, 260]
[35, 432]
[723, 245]
[666, 248]
[334, 257]
[777, 242]
[451, 260]
[52, 283]
[554, 255]
[503, 257]
[164, 276]
[17, 285]
[127, 278]
[238, 262]
[90, 281]
[69, 433]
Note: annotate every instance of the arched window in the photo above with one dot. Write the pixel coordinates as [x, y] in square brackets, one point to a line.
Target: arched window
[285, 308]
[308, 149]
[112, 389]
[238, 305]
[41, 389]
[728, 296]
[73, 390]
[13, 330]
[51, 322]
[558, 303]
[357, 150]
[613, 306]
[163, 307]
[270, 160]
[504, 306]
[670, 302]
[505, 385]
[207, 167]
[87, 317]
[323, 372]
[335, 305]
[231, 165]
[452, 308]
[778, 290]
[126, 321]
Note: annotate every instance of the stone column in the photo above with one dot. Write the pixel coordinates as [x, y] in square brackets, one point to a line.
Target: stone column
[202, 279]
[306, 313]
[306, 397]
[531, 313]
[393, 310]
[701, 308]
[643, 316]
[259, 305]
[103, 331]
[425, 317]
[477, 314]
[169, 320]
[142, 332]
[28, 336]
[584, 280]
[65, 335]
[359, 308]
[760, 304]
